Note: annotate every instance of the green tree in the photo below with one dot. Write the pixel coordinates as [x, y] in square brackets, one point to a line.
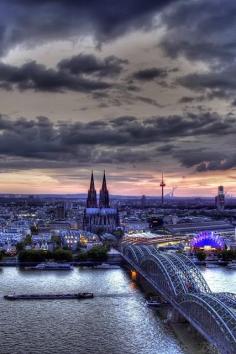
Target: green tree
[57, 240]
[118, 233]
[34, 229]
[201, 256]
[34, 256]
[62, 255]
[28, 240]
[20, 246]
[227, 255]
[82, 256]
[98, 253]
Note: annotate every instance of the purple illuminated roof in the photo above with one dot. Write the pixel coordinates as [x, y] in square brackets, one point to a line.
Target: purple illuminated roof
[207, 238]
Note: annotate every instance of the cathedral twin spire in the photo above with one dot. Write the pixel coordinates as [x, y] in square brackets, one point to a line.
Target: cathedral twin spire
[92, 194]
[104, 194]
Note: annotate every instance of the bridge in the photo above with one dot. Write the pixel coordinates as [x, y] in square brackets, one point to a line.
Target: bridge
[179, 282]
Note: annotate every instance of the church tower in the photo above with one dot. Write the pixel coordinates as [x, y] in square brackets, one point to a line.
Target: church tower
[92, 194]
[104, 194]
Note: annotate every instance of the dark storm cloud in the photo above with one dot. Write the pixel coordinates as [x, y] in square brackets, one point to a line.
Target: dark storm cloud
[189, 99]
[217, 164]
[201, 30]
[90, 64]
[34, 76]
[25, 21]
[218, 83]
[209, 95]
[122, 96]
[206, 159]
[150, 74]
[204, 30]
[197, 157]
[148, 100]
[124, 139]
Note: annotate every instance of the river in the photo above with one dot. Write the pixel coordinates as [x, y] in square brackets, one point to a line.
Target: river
[116, 321]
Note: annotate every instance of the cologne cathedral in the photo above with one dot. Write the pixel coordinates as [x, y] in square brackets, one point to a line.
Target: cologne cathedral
[99, 217]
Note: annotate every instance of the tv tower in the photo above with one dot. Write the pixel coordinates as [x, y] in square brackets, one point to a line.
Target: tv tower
[162, 185]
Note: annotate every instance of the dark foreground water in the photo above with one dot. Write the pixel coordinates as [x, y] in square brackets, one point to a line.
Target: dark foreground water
[116, 322]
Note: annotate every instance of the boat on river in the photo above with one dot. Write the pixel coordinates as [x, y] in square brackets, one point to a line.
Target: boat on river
[231, 265]
[212, 265]
[78, 296]
[51, 266]
[107, 266]
[153, 303]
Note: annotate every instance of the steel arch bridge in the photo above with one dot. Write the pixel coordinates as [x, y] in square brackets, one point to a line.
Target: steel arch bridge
[182, 285]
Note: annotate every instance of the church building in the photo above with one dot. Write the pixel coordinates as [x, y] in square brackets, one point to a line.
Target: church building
[99, 216]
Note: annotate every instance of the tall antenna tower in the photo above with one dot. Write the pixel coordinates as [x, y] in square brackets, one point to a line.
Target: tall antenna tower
[162, 185]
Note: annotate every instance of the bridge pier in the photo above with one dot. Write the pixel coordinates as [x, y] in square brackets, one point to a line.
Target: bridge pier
[146, 287]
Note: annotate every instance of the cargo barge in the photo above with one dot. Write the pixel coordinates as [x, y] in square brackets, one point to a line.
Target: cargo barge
[51, 266]
[78, 296]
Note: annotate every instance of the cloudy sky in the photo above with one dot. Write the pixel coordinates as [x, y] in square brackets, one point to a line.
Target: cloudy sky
[131, 86]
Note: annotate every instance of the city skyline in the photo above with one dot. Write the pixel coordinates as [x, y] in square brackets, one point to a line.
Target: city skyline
[155, 191]
[135, 88]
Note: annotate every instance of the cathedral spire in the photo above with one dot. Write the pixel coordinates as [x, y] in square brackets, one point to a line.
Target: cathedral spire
[92, 195]
[92, 186]
[104, 194]
[104, 182]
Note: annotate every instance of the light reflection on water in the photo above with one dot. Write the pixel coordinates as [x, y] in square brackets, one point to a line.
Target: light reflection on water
[220, 279]
[119, 324]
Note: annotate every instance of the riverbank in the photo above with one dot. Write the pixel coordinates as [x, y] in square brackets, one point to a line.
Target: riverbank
[111, 259]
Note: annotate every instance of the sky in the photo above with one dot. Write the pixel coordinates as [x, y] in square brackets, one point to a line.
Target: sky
[135, 87]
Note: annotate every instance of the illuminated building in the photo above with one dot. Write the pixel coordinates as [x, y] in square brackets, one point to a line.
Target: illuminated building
[207, 240]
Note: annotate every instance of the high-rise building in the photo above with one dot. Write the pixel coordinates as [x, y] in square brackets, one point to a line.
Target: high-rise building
[60, 213]
[102, 218]
[220, 199]
[143, 201]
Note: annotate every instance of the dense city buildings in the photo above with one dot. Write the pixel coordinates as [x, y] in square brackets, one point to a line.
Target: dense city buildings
[93, 230]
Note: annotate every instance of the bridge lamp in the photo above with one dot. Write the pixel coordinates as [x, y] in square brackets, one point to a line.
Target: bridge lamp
[133, 275]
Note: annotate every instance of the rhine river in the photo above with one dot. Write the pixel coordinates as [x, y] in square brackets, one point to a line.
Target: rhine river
[116, 321]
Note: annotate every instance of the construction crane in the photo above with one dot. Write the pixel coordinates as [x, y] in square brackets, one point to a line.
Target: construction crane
[173, 190]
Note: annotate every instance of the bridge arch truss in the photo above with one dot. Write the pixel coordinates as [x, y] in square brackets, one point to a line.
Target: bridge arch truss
[177, 278]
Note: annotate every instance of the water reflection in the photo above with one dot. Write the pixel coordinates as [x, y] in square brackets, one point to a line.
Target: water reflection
[115, 322]
[220, 279]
